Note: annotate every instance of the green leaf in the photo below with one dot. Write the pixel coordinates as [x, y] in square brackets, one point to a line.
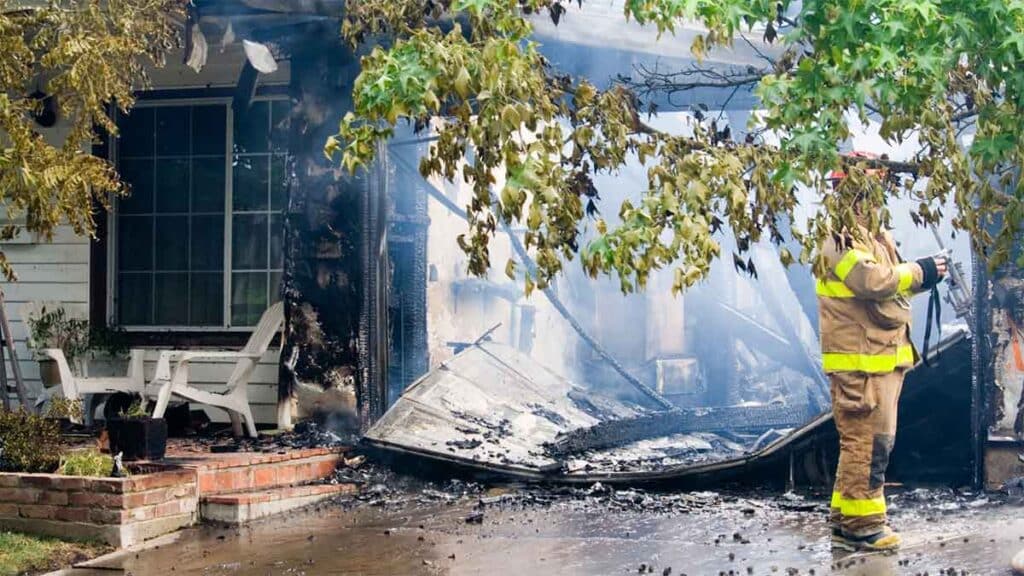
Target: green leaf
[462, 81]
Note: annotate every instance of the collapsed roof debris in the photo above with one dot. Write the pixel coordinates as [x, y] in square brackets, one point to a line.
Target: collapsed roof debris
[612, 433]
[492, 408]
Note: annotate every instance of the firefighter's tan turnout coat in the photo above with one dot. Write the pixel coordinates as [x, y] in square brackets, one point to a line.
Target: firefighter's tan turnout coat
[864, 313]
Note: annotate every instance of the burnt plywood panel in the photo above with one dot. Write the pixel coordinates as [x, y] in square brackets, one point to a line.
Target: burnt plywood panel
[490, 406]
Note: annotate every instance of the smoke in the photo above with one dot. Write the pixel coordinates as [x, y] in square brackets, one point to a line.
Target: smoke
[733, 340]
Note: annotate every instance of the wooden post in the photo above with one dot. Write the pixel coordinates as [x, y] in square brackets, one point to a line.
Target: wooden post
[8, 342]
[3, 382]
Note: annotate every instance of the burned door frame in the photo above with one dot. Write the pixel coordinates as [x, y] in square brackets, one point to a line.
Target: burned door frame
[373, 317]
[996, 455]
[407, 249]
[983, 360]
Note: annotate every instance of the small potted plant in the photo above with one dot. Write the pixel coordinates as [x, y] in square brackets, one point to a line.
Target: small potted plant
[108, 351]
[55, 328]
[66, 412]
[137, 436]
[90, 351]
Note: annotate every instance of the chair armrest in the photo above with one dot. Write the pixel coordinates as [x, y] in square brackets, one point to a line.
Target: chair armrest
[137, 366]
[181, 358]
[187, 355]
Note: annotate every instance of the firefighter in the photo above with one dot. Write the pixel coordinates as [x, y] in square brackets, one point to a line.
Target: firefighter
[864, 316]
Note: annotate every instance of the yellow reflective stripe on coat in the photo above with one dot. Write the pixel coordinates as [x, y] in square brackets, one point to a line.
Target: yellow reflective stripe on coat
[868, 363]
[906, 273]
[851, 259]
[851, 507]
[833, 289]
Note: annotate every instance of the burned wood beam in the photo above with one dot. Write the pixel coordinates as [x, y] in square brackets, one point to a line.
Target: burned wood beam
[245, 90]
[326, 8]
[613, 433]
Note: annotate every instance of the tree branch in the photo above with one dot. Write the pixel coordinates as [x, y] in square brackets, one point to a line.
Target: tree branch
[891, 166]
[669, 83]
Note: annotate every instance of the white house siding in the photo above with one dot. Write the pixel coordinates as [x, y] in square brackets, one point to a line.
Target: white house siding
[57, 273]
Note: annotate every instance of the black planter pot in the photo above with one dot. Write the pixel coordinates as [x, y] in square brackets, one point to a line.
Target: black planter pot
[138, 438]
[49, 372]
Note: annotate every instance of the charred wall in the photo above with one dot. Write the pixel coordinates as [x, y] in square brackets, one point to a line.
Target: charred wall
[333, 229]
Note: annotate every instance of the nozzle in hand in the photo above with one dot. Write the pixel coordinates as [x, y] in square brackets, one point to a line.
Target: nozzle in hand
[941, 260]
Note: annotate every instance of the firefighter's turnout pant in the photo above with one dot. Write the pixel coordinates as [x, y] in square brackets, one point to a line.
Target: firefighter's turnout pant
[864, 409]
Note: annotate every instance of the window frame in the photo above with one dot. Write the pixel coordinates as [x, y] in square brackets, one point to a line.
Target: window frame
[191, 334]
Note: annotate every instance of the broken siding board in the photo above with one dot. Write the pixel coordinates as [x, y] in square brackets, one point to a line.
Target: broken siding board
[63, 235]
[47, 254]
[47, 272]
[47, 292]
[221, 70]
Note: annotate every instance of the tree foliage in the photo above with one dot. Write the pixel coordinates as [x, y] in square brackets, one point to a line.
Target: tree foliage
[919, 66]
[85, 54]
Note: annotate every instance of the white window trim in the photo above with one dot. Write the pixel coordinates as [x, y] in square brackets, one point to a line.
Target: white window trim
[112, 264]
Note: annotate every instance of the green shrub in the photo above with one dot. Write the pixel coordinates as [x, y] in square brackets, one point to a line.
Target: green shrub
[28, 442]
[61, 407]
[86, 463]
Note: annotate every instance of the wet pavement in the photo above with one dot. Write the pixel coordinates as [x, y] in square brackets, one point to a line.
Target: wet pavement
[590, 532]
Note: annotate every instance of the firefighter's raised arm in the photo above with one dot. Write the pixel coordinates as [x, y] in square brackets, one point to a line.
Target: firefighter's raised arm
[854, 272]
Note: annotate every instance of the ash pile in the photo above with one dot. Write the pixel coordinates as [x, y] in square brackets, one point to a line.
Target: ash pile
[306, 434]
[495, 409]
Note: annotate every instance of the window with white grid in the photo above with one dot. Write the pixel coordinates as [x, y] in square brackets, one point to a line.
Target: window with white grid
[197, 244]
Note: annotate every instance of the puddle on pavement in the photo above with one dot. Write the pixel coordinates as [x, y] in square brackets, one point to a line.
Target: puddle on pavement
[738, 536]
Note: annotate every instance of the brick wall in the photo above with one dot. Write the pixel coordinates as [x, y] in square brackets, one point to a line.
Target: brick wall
[118, 511]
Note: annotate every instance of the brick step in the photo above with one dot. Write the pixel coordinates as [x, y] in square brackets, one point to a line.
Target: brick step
[242, 507]
[256, 471]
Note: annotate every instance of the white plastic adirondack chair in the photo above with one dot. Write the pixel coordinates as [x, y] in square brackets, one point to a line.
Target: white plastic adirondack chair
[172, 373]
[75, 387]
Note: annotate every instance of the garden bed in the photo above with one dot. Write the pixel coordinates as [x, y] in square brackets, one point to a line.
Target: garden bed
[120, 512]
